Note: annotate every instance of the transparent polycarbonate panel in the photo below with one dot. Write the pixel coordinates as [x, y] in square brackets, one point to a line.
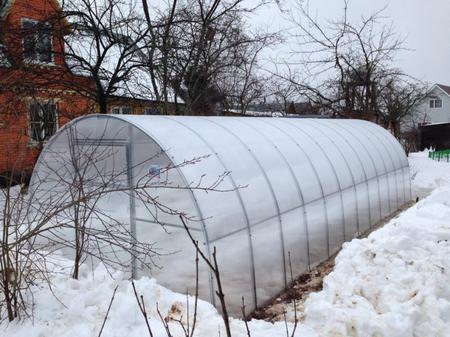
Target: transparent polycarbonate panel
[318, 231]
[343, 142]
[268, 255]
[323, 167]
[351, 202]
[384, 190]
[296, 159]
[384, 152]
[202, 169]
[339, 163]
[295, 231]
[277, 165]
[365, 214]
[371, 147]
[374, 196]
[246, 172]
[392, 146]
[336, 221]
[392, 191]
[234, 260]
[161, 190]
[359, 151]
[174, 261]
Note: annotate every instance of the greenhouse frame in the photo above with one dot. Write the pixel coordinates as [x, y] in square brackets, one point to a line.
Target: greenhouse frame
[274, 196]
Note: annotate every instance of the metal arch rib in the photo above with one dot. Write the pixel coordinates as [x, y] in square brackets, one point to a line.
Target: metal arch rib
[316, 174]
[146, 132]
[378, 175]
[337, 180]
[291, 171]
[364, 170]
[351, 173]
[393, 164]
[386, 146]
[268, 183]
[362, 166]
[241, 202]
[406, 186]
[396, 146]
[297, 185]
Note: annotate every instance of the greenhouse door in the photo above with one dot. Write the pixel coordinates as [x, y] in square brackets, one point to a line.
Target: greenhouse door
[109, 162]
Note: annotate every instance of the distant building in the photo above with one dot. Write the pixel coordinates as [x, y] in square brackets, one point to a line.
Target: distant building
[432, 116]
[436, 107]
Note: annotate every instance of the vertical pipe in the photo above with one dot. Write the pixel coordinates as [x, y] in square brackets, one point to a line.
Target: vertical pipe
[132, 199]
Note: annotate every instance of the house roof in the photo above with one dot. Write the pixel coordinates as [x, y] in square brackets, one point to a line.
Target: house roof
[444, 88]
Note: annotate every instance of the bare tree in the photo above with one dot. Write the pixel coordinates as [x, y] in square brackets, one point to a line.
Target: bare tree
[283, 92]
[246, 83]
[398, 102]
[195, 44]
[104, 45]
[347, 63]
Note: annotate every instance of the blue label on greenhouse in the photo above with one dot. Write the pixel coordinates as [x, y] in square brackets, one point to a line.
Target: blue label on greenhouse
[154, 171]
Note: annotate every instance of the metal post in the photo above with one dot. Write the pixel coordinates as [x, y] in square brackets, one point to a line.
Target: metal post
[132, 200]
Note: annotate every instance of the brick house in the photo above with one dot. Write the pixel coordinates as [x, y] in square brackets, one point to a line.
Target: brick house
[33, 101]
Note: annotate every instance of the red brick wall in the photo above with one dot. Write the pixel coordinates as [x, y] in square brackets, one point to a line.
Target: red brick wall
[17, 151]
[37, 10]
[24, 82]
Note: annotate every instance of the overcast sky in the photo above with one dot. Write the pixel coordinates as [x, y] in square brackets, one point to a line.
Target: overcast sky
[425, 25]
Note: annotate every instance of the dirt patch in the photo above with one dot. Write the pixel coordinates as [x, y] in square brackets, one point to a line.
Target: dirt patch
[283, 306]
[296, 293]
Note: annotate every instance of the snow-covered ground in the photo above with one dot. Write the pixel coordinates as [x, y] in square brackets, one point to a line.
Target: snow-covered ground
[396, 282]
[426, 174]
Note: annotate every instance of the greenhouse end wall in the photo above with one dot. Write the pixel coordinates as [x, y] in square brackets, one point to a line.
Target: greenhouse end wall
[269, 194]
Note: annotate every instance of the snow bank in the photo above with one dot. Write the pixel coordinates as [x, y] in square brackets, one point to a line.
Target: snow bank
[393, 283]
[396, 282]
[76, 308]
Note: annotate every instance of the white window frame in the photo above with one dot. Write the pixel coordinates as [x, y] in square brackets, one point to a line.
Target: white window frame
[433, 101]
[34, 61]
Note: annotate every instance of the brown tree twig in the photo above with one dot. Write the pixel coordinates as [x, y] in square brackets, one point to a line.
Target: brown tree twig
[107, 312]
[215, 269]
[141, 305]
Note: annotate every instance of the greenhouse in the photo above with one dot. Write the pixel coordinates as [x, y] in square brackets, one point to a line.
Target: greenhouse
[271, 195]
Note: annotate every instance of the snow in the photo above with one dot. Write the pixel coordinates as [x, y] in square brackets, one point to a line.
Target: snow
[393, 283]
[76, 308]
[427, 174]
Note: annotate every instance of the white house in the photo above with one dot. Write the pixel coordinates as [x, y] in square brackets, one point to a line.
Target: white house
[436, 108]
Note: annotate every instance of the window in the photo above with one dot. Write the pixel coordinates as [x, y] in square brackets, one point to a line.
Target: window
[37, 41]
[435, 103]
[152, 111]
[122, 110]
[43, 121]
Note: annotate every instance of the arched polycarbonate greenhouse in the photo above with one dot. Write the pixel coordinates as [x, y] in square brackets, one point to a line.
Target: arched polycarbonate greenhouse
[268, 193]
